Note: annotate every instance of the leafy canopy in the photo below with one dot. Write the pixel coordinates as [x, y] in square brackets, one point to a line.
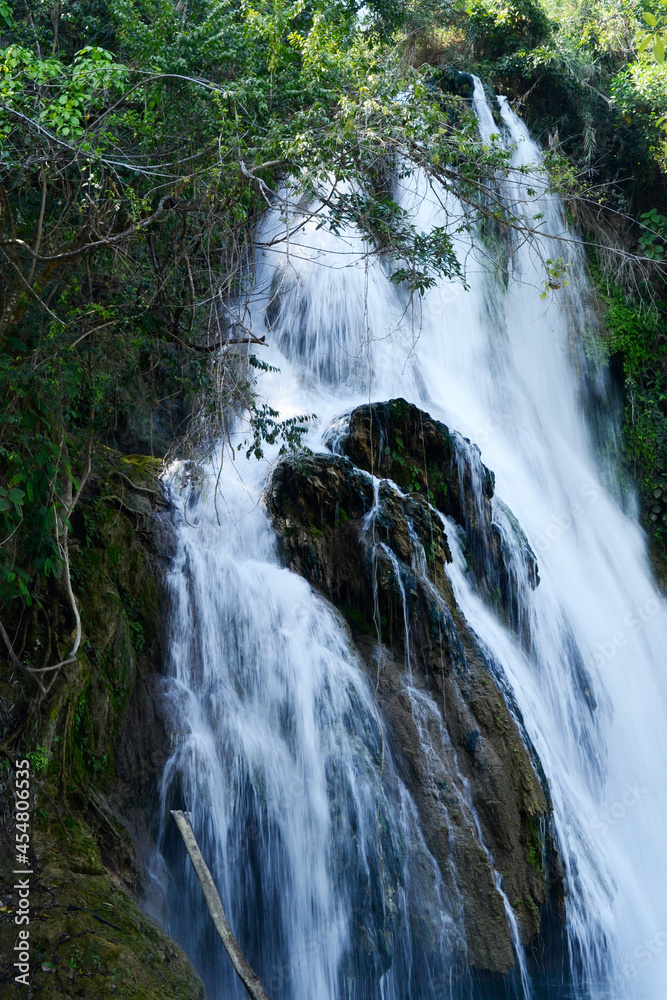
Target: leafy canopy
[140, 144]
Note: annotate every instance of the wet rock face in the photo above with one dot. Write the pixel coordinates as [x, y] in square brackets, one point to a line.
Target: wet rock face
[379, 554]
[398, 441]
[105, 732]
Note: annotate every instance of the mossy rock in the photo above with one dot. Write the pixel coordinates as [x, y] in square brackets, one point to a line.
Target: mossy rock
[387, 577]
[101, 745]
[88, 937]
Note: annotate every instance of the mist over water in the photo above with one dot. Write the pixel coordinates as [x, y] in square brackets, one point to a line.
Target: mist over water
[278, 748]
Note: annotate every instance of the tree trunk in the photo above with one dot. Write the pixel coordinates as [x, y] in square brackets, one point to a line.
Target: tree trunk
[218, 916]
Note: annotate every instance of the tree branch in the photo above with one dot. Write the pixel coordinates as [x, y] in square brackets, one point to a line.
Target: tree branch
[40, 225]
[165, 204]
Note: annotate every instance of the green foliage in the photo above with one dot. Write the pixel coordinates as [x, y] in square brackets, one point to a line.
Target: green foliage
[586, 86]
[534, 843]
[639, 339]
[556, 271]
[654, 40]
[59, 96]
[432, 254]
[499, 27]
[640, 95]
[419, 257]
[414, 477]
[6, 14]
[39, 758]
[13, 496]
[266, 427]
[140, 143]
[652, 242]
[138, 637]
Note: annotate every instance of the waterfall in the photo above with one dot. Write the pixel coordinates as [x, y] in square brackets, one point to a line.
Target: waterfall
[278, 747]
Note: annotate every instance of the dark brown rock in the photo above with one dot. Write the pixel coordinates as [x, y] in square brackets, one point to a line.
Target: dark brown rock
[379, 556]
[398, 441]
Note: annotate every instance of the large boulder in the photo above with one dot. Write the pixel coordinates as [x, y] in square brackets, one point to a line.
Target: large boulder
[377, 548]
[398, 441]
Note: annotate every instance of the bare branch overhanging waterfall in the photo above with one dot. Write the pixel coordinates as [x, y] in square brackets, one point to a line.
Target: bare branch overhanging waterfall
[281, 750]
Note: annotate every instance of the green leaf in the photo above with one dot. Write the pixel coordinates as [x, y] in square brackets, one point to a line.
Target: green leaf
[659, 50]
[650, 19]
[16, 496]
[4, 505]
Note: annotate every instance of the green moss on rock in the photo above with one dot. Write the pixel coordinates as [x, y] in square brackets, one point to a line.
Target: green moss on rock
[100, 747]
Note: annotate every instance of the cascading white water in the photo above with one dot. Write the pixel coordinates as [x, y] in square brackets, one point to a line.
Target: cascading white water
[280, 753]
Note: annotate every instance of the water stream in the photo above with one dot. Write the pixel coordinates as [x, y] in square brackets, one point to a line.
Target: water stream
[278, 749]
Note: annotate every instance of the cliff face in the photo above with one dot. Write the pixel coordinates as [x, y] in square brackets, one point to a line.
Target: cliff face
[97, 748]
[378, 553]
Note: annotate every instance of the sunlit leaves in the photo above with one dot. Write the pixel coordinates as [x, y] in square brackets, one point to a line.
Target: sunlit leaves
[62, 97]
[640, 94]
[654, 41]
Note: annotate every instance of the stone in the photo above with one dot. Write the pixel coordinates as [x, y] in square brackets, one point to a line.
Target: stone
[378, 551]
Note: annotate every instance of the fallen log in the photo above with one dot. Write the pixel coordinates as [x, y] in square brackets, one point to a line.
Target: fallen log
[241, 965]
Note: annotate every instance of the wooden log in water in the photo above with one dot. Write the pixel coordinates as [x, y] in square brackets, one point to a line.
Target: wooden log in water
[241, 965]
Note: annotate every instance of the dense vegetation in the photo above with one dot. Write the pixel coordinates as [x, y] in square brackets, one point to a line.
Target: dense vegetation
[140, 144]
[141, 141]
